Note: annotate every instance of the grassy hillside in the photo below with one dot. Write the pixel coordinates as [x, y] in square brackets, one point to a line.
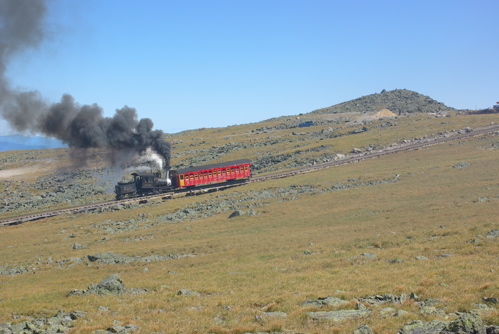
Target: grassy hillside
[352, 232]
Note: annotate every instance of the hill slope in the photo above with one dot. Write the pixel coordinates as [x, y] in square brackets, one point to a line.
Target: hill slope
[403, 237]
[397, 100]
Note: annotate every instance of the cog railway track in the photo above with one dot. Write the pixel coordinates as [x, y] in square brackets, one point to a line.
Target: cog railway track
[276, 175]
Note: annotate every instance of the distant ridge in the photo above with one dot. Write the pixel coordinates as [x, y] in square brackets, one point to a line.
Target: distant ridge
[397, 101]
[20, 142]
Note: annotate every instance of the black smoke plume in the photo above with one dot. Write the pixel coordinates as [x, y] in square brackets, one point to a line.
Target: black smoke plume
[22, 26]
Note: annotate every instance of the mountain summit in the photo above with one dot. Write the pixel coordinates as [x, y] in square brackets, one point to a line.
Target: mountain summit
[397, 101]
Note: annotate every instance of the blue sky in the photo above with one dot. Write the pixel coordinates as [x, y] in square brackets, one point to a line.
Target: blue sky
[191, 64]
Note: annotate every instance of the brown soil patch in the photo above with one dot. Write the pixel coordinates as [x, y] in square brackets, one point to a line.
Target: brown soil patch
[385, 113]
[13, 173]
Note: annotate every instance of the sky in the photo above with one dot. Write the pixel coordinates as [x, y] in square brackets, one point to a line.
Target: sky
[214, 63]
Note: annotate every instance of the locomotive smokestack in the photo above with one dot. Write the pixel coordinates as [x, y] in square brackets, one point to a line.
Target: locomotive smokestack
[80, 126]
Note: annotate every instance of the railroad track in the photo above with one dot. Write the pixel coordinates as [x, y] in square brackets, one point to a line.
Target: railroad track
[210, 188]
[379, 153]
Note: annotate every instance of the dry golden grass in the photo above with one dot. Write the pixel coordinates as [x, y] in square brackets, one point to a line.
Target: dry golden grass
[248, 265]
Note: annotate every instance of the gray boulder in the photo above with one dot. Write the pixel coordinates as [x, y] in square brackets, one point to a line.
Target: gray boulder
[112, 285]
[235, 214]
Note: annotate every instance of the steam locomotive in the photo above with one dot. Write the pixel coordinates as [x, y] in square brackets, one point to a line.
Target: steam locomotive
[152, 183]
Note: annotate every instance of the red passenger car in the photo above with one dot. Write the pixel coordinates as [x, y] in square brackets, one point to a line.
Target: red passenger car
[218, 172]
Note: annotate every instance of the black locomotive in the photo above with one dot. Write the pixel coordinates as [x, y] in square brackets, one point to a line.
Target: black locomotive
[143, 184]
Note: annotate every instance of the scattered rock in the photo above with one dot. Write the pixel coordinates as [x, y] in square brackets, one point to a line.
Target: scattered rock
[340, 315]
[382, 299]
[369, 255]
[272, 315]
[114, 258]
[431, 310]
[493, 234]
[109, 258]
[396, 260]
[122, 329]
[363, 329]
[402, 313]
[474, 241]
[337, 185]
[387, 312]
[491, 300]
[185, 292]
[330, 300]
[112, 285]
[235, 214]
[421, 327]
[445, 255]
[463, 164]
[4, 270]
[356, 150]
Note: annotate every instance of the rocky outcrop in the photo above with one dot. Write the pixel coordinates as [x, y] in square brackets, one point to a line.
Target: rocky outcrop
[61, 322]
[74, 187]
[465, 323]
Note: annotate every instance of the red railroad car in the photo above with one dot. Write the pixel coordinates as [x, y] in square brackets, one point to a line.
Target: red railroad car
[152, 183]
[212, 173]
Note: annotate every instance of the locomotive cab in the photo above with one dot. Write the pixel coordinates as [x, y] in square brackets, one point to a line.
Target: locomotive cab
[145, 182]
